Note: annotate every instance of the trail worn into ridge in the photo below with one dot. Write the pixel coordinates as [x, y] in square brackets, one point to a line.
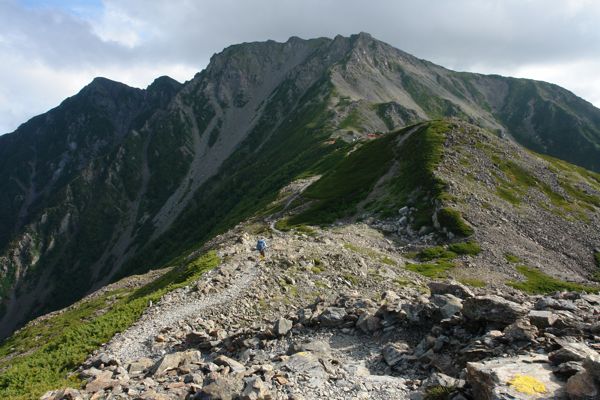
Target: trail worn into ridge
[177, 307]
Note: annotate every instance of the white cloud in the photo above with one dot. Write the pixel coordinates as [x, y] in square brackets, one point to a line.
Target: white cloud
[49, 54]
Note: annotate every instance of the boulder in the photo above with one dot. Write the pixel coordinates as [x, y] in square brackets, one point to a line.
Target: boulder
[233, 365]
[255, 389]
[545, 303]
[450, 287]
[493, 308]
[592, 365]
[582, 386]
[368, 322]
[101, 382]
[282, 327]
[568, 369]
[520, 330]
[307, 364]
[332, 316]
[140, 366]
[62, 394]
[316, 346]
[449, 305]
[541, 318]
[525, 377]
[571, 351]
[437, 379]
[222, 388]
[200, 340]
[394, 352]
[167, 363]
[101, 360]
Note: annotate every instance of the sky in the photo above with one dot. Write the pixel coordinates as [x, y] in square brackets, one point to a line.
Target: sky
[50, 49]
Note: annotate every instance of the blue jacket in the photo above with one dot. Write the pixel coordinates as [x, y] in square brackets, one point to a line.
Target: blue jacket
[261, 245]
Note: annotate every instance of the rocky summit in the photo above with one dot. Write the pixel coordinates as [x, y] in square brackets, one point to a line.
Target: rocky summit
[430, 234]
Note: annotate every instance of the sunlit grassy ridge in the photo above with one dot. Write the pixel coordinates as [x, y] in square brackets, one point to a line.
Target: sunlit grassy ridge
[415, 151]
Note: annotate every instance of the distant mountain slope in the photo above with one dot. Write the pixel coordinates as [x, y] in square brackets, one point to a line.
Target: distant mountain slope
[116, 179]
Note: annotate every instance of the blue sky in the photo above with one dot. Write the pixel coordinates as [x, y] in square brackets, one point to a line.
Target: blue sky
[50, 49]
[82, 8]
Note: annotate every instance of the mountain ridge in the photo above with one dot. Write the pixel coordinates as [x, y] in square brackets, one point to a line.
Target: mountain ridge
[368, 292]
[120, 191]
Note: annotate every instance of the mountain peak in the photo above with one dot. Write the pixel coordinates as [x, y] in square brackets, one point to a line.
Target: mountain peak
[164, 83]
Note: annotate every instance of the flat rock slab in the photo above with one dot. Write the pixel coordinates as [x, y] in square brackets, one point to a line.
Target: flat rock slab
[493, 308]
[526, 377]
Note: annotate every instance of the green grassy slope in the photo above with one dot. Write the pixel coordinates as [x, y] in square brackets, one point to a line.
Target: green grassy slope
[40, 356]
[416, 151]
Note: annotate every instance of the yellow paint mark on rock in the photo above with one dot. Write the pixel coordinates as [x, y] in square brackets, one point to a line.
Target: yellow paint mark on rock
[527, 384]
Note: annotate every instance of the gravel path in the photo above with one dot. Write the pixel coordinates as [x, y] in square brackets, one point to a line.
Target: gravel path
[136, 342]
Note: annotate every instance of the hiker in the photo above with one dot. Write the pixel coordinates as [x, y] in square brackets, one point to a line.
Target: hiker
[261, 246]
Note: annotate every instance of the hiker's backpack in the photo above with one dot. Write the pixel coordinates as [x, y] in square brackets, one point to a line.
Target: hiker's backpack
[261, 245]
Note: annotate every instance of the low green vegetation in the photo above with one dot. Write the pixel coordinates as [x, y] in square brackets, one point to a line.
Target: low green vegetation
[438, 393]
[353, 279]
[451, 251]
[284, 226]
[353, 120]
[436, 270]
[317, 267]
[511, 258]
[435, 252]
[453, 221]
[338, 192]
[474, 282]
[517, 180]
[437, 260]
[41, 356]
[465, 248]
[416, 183]
[538, 282]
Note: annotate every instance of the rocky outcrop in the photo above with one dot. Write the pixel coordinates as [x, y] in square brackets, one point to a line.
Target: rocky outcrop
[458, 352]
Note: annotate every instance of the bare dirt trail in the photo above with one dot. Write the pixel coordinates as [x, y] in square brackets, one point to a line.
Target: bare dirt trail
[178, 307]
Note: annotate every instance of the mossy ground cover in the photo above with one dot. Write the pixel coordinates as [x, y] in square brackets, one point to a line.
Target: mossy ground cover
[436, 261]
[538, 282]
[465, 248]
[451, 251]
[435, 270]
[47, 352]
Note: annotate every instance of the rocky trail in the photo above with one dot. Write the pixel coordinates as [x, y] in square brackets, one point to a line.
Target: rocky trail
[177, 307]
[334, 314]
